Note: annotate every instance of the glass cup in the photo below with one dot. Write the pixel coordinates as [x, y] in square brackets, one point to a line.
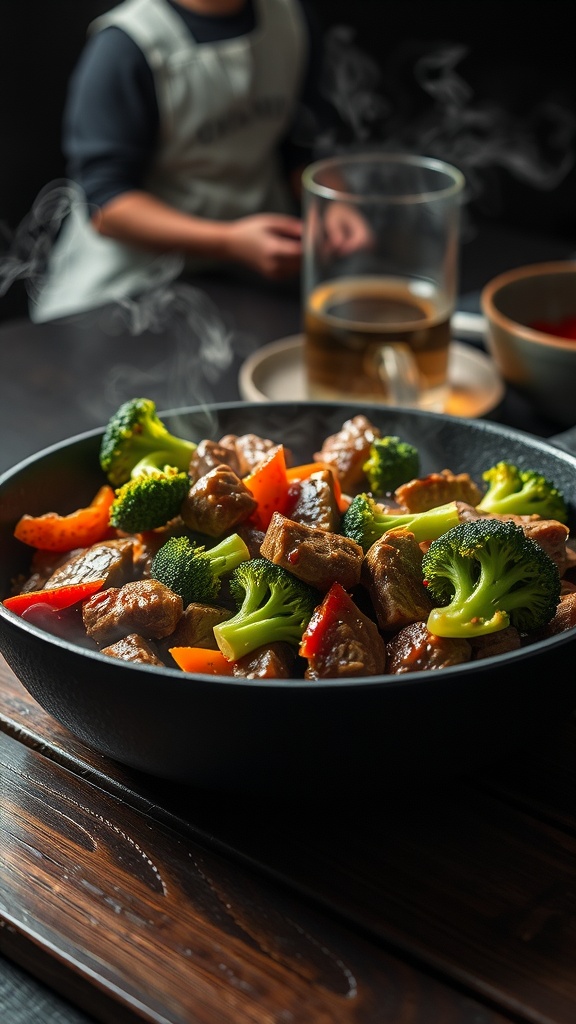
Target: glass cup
[380, 276]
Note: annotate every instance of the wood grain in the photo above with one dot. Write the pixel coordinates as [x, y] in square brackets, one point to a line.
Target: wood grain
[137, 922]
[459, 906]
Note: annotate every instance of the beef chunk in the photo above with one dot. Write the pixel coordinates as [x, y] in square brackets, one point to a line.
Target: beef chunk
[565, 618]
[414, 649]
[274, 661]
[314, 556]
[349, 645]
[250, 450]
[551, 536]
[111, 560]
[134, 648]
[501, 642]
[217, 502]
[210, 454]
[468, 513]
[436, 489]
[252, 537]
[145, 607]
[196, 626]
[347, 451]
[392, 574]
[314, 502]
[42, 567]
[570, 558]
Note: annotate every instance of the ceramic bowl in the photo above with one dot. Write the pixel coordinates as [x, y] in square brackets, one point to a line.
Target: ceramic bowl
[524, 308]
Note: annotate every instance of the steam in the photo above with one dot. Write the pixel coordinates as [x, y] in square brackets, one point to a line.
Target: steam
[436, 112]
[433, 111]
[28, 249]
[350, 80]
[195, 347]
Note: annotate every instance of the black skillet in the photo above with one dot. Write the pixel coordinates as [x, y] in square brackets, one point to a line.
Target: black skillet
[330, 738]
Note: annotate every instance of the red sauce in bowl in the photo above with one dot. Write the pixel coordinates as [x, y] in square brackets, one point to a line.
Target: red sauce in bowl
[565, 328]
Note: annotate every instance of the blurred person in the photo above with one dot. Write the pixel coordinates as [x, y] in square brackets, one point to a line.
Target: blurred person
[179, 136]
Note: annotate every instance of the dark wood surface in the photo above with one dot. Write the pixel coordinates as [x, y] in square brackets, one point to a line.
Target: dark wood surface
[140, 902]
[125, 899]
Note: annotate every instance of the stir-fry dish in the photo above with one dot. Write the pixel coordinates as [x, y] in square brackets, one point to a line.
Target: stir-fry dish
[222, 557]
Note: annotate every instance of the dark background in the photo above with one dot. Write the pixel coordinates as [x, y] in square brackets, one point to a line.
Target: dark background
[504, 103]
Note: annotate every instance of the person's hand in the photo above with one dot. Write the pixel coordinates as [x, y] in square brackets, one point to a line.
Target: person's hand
[269, 243]
[345, 230]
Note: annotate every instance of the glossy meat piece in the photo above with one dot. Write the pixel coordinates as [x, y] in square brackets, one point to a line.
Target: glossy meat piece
[252, 537]
[392, 574]
[551, 535]
[347, 450]
[250, 450]
[111, 560]
[145, 607]
[217, 502]
[501, 642]
[210, 454]
[196, 626]
[314, 502]
[350, 645]
[436, 489]
[414, 649]
[42, 567]
[565, 618]
[133, 648]
[314, 556]
[275, 661]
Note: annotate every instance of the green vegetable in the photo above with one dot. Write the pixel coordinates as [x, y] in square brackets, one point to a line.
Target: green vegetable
[365, 521]
[151, 498]
[392, 462]
[487, 574]
[195, 572]
[135, 431]
[272, 605]
[521, 492]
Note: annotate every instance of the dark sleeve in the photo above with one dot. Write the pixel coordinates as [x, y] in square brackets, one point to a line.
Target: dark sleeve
[111, 117]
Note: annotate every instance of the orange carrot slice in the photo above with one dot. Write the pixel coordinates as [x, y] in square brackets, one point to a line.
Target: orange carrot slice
[202, 661]
[269, 485]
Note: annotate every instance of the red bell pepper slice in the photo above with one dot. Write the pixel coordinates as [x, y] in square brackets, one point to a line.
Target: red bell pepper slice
[56, 597]
[80, 529]
[325, 615]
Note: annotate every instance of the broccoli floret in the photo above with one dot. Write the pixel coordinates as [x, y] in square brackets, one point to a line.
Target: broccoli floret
[195, 572]
[272, 604]
[365, 521]
[392, 462]
[487, 574]
[151, 498]
[521, 492]
[134, 431]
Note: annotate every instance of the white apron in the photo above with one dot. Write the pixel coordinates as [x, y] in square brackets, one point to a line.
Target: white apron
[223, 107]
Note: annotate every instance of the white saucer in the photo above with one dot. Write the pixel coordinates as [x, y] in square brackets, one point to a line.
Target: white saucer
[275, 372]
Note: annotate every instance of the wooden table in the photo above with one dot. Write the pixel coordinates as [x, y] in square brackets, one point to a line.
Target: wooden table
[142, 902]
[134, 900]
